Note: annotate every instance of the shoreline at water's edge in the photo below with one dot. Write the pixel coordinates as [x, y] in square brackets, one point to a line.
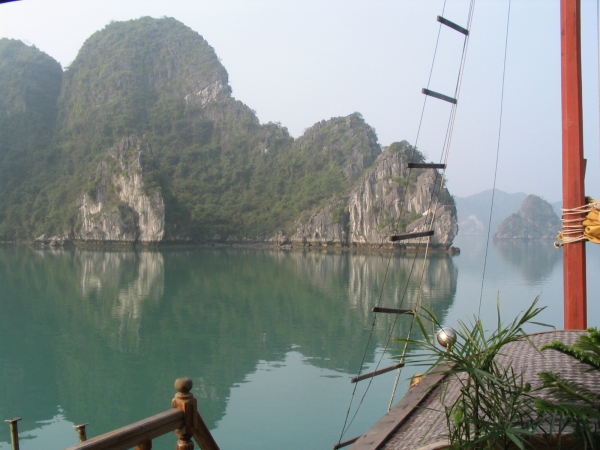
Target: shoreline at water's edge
[336, 248]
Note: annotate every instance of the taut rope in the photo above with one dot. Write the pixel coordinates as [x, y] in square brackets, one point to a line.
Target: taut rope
[581, 223]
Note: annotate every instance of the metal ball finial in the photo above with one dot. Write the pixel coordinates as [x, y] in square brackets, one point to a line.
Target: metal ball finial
[183, 385]
[447, 337]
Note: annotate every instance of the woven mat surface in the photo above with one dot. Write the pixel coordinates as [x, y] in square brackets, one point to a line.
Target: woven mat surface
[427, 424]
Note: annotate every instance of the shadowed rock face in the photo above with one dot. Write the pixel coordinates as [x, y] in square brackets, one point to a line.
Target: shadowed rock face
[388, 194]
[118, 206]
[30, 84]
[535, 219]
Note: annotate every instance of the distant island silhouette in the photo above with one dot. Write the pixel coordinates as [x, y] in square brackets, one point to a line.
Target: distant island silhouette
[535, 220]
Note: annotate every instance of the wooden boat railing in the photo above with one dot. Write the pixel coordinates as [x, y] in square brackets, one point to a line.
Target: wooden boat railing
[183, 419]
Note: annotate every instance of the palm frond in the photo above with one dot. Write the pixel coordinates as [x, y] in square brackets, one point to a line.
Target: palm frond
[586, 349]
[495, 404]
[573, 411]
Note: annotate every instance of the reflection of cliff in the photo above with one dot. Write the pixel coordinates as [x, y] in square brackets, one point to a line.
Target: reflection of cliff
[534, 258]
[360, 278]
[367, 278]
[118, 283]
[104, 334]
[28, 370]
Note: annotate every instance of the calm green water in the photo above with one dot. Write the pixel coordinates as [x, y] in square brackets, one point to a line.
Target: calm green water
[269, 337]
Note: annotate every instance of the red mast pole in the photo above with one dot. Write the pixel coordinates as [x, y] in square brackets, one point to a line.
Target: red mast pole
[573, 163]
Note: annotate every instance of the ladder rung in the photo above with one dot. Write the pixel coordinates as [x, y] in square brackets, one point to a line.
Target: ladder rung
[345, 443]
[377, 372]
[404, 236]
[452, 25]
[438, 95]
[426, 166]
[392, 310]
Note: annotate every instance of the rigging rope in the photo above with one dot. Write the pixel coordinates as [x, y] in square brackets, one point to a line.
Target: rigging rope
[487, 244]
[347, 425]
[428, 224]
[444, 156]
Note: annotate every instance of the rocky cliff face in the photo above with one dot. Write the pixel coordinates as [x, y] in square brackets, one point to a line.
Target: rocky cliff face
[118, 205]
[226, 177]
[389, 199]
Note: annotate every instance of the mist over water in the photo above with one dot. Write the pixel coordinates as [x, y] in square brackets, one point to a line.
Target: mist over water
[270, 338]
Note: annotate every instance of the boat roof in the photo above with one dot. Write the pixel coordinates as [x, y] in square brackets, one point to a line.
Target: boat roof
[418, 419]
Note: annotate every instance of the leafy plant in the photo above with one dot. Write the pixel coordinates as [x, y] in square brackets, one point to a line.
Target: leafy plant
[575, 406]
[495, 408]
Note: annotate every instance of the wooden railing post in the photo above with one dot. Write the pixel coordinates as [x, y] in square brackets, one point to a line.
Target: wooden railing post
[194, 426]
[185, 401]
[81, 432]
[145, 445]
[137, 435]
[14, 432]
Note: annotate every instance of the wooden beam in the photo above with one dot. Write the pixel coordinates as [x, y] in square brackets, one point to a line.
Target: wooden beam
[202, 435]
[453, 25]
[439, 96]
[575, 289]
[379, 309]
[376, 372]
[405, 236]
[426, 166]
[345, 443]
[134, 434]
[379, 433]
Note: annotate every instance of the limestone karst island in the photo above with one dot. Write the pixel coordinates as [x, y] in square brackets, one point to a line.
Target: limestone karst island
[140, 140]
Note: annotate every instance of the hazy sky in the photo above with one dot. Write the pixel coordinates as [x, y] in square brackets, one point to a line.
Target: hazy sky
[300, 61]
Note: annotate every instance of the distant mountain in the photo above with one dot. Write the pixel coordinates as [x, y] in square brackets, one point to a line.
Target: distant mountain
[474, 211]
[535, 219]
[557, 207]
[141, 140]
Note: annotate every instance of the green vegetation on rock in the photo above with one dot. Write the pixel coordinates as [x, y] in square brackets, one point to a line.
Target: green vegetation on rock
[220, 172]
[29, 88]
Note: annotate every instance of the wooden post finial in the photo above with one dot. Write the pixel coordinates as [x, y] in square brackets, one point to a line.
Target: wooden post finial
[194, 425]
[185, 401]
[183, 385]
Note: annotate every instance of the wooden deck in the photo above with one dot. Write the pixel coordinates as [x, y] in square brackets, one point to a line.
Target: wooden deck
[418, 419]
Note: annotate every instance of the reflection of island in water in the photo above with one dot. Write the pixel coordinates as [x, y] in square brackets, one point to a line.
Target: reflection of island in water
[65, 314]
[104, 334]
[117, 284]
[361, 277]
[535, 258]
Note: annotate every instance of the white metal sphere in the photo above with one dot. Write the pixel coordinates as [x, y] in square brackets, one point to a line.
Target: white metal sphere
[446, 337]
